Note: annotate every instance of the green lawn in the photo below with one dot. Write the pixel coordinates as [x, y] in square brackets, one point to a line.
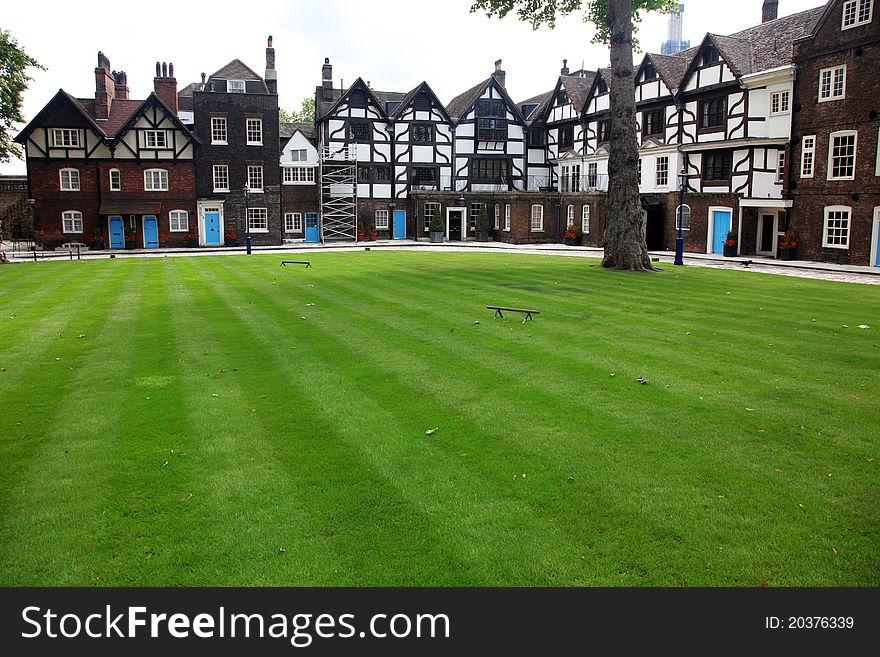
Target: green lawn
[195, 421]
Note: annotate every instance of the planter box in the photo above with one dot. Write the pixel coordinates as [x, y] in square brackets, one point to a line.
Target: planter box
[730, 251]
[787, 254]
[437, 238]
[573, 241]
[482, 237]
[372, 235]
[96, 246]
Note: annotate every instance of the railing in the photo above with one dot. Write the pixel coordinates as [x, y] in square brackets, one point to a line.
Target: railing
[588, 183]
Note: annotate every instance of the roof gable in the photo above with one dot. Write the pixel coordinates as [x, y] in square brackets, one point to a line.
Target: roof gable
[236, 70]
[378, 98]
[670, 69]
[151, 101]
[464, 103]
[62, 111]
[408, 100]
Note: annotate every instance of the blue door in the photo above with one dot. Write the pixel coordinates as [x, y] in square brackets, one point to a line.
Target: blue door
[312, 232]
[877, 258]
[400, 224]
[721, 223]
[117, 233]
[212, 229]
[151, 232]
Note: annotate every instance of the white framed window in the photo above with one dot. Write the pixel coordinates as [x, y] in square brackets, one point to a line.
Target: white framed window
[221, 177]
[381, 219]
[842, 155]
[66, 138]
[155, 180]
[832, 83]
[780, 166]
[219, 133]
[780, 102]
[585, 220]
[255, 132]
[569, 215]
[431, 208]
[808, 155]
[836, 231]
[592, 175]
[69, 180]
[299, 155]
[293, 222]
[115, 180]
[298, 175]
[72, 221]
[155, 139]
[537, 223]
[178, 221]
[662, 171]
[497, 223]
[476, 208]
[856, 12]
[507, 216]
[639, 172]
[683, 215]
[255, 178]
[258, 220]
[235, 86]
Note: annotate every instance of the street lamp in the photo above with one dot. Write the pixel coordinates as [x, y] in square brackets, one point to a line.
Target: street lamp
[679, 240]
[247, 219]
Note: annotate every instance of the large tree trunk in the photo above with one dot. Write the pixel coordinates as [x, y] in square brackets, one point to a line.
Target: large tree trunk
[625, 246]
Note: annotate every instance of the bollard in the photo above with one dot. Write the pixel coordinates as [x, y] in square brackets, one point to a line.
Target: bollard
[77, 252]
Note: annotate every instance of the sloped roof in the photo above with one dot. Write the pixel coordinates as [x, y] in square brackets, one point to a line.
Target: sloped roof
[540, 101]
[771, 42]
[670, 68]
[462, 102]
[120, 113]
[578, 88]
[329, 99]
[408, 99]
[61, 97]
[236, 70]
[287, 130]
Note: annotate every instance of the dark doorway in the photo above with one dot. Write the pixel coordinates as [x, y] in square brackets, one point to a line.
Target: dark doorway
[455, 221]
[654, 234]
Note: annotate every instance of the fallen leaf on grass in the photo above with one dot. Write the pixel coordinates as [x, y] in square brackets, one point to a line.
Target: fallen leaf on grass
[642, 380]
[864, 326]
[760, 430]
[188, 497]
[428, 432]
[82, 335]
[222, 371]
[165, 464]
[282, 550]
[834, 550]
[215, 395]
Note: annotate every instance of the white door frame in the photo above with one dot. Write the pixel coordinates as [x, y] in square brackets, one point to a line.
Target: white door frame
[875, 233]
[204, 206]
[462, 216]
[761, 214]
[710, 223]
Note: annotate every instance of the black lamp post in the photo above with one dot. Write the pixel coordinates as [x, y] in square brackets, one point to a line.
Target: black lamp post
[679, 240]
[247, 218]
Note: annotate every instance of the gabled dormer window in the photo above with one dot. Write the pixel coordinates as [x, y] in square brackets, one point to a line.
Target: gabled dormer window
[650, 72]
[856, 12]
[235, 86]
[603, 86]
[358, 98]
[561, 97]
[422, 102]
[710, 56]
[155, 139]
[65, 138]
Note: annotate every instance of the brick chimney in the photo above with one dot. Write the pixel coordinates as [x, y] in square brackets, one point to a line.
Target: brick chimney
[499, 75]
[327, 75]
[105, 87]
[271, 73]
[770, 10]
[165, 85]
[564, 70]
[121, 85]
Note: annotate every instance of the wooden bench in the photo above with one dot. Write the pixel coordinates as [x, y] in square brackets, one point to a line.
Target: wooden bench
[284, 263]
[500, 310]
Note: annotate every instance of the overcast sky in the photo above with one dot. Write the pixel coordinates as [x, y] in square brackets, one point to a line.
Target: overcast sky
[395, 44]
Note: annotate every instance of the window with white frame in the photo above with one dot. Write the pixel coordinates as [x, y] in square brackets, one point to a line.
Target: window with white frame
[431, 209]
[832, 83]
[178, 221]
[155, 139]
[221, 177]
[219, 134]
[537, 223]
[381, 219]
[569, 215]
[155, 180]
[856, 12]
[255, 132]
[836, 232]
[662, 171]
[497, 223]
[299, 155]
[780, 166]
[258, 220]
[585, 220]
[507, 216]
[639, 171]
[842, 155]
[255, 177]
[780, 102]
[683, 215]
[293, 222]
[72, 221]
[877, 166]
[808, 155]
[115, 180]
[298, 175]
[69, 180]
[235, 86]
[592, 175]
[476, 208]
[65, 138]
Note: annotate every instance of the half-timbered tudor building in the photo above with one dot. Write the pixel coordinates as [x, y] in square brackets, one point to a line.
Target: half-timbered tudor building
[834, 172]
[111, 167]
[236, 118]
[299, 180]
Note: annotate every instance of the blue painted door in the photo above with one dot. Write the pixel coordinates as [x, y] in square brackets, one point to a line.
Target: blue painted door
[212, 229]
[721, 222]
[400, 224]
[117, 233]
[312, 232]
[877, 258]
[151, 232]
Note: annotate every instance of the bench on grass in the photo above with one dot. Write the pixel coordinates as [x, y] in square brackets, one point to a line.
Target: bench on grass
[500, 310]
[284, 263]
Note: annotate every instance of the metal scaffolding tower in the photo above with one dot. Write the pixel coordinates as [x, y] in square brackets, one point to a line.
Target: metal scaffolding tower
[339, 193]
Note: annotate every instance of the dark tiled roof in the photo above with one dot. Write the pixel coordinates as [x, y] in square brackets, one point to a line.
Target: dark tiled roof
[287, 130]
[771, 42]
[238, 70]
[736, 51]
[462, 102]
[540, 101]
[120, 113]
[670, 68]
[578, 88]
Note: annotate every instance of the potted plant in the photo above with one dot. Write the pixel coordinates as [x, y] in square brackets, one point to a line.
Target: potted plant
[372, 232]
[130, 238]
[730, 245]
[787, 246]
[573, 235]
[482, 225]
[97, 243]
[231, 237]
[192, 240]
[361, 232]
[435, 228]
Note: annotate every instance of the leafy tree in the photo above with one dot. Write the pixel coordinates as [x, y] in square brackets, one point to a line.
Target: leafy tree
[625, 246]
[306, 113]
[14, 62]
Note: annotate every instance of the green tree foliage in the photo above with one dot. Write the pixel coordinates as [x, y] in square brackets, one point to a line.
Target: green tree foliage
[14, 62]
[306, 113]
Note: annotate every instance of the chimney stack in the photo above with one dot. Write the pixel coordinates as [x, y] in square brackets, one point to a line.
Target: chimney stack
[105, 87]
[564, 70]
[770, 10]
[121, 85]
[327, 75]
[271, 73]
[165, 85]
[499, 75]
